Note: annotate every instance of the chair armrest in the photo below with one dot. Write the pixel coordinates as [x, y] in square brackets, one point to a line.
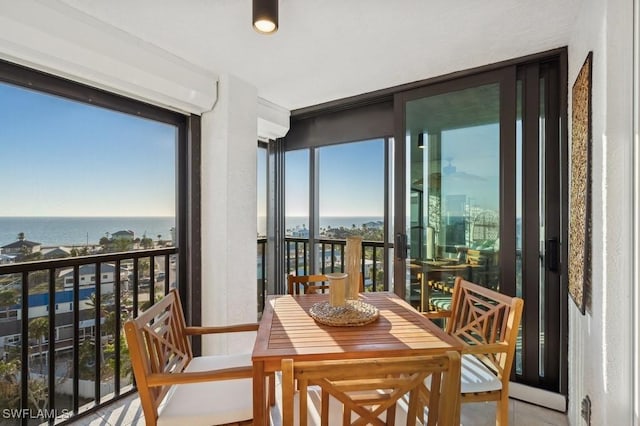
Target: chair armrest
[437, 314]
[489, 348]
[163, 379]
[191, 331]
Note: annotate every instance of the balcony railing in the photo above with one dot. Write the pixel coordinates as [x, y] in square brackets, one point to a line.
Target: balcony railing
[331, 257]
[79, 304]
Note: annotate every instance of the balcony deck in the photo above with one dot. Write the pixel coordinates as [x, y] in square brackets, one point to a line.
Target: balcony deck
[127, 412]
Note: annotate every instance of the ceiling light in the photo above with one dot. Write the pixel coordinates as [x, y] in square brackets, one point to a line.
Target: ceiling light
[265, 16]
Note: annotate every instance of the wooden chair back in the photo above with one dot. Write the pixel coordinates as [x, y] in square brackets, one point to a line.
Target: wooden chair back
[157, 344]
[307, 284]
[474, 257]
[370, 387]
[487, 323]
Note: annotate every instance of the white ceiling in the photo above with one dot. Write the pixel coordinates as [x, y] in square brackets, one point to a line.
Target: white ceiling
[331, 49]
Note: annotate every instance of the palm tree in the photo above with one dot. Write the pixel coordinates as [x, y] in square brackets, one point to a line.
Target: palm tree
[25, 250]
[38, 330]
[9, 383]
[122, 244]
[9, 298]
[146, 242]
[109, 326]
[86, 355]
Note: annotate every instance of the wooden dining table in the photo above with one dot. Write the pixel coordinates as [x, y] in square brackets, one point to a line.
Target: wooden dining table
[287, 331]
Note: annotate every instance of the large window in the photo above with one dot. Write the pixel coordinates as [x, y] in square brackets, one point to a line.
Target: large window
[262, 191]
[297, 194]
[94, 223]
[351, 190]
[262, 177]
[79, 179]
[333, 192]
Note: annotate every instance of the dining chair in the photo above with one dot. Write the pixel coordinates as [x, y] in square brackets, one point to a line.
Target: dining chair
[306, 284]
[371, 391]
[177, 388]
[309, 284]
[486, 322]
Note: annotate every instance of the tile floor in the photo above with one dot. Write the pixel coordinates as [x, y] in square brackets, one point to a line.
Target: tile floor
[127, 412]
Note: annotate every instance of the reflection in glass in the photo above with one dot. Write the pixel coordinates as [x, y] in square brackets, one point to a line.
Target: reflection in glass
[261, 173]
[519, 206]
[453, 147]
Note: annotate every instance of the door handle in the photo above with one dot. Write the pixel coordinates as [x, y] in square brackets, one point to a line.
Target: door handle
[552, 255]
[400, 246]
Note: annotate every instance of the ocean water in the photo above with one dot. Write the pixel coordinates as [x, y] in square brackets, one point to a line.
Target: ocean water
[68, 231]
[75, 231]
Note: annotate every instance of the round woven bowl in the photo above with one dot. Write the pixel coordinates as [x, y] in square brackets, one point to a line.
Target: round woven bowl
[353, 314]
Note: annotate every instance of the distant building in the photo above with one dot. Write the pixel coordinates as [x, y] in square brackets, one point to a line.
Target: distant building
[6, 258]
[300, 233]
[21, 247]
[123, 235]
[55, 252]
[11, 318]
[87, 275]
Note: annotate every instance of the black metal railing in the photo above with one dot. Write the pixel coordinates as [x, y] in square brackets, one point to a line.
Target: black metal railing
[69, 319]
[331, 259]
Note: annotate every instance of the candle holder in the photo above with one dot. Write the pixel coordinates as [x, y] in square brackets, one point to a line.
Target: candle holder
[353, 260]
[337, 288]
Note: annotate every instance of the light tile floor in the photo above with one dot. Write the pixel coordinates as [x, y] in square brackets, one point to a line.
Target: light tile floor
[127, 412]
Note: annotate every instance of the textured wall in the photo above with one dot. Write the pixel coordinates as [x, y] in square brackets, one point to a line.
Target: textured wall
[600, 344]
[229, 149]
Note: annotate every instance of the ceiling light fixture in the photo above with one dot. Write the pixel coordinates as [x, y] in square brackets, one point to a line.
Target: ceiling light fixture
[265, 16]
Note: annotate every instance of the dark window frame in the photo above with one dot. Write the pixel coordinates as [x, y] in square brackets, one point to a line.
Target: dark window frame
[342, 128]
[187, 166]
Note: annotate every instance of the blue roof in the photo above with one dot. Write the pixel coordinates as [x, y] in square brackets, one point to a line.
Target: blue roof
[65, 296]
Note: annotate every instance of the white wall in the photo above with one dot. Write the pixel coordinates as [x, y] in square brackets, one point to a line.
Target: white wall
[229, 206]
[55, 37]
[600, 349]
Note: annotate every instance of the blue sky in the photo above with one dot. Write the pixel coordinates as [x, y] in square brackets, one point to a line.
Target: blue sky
[63, 158]
[351, 180]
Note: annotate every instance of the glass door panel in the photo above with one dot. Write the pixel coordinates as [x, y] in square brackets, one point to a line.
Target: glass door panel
[481, 166]
[453, 196]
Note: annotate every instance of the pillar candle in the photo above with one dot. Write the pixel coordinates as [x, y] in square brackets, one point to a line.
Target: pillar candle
[337, 288]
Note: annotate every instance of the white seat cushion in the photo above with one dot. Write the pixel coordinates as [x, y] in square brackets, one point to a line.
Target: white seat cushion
[477, 377]
[209, 403]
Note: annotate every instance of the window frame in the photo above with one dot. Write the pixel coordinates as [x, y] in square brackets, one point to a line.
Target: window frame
[187, 156]
[312, 145]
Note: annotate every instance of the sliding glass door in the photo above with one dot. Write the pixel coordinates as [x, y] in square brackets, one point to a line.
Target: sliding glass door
[478, 195]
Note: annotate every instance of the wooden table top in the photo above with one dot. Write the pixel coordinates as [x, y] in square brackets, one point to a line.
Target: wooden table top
[287, 331]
